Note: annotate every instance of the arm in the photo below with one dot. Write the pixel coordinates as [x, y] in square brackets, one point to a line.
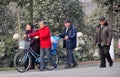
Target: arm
[95, 38]
[34, 34]
[74, 34]
[63, 34]
[110, 32]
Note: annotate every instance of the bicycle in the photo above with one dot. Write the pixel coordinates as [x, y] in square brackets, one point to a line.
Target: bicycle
[54, 54]
[22, 60]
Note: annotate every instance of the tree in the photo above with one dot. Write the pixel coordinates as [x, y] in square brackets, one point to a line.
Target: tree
[31, 10]
[110, 4]
[7, 26]
[22, 4]
[55, 11]
[107, 6]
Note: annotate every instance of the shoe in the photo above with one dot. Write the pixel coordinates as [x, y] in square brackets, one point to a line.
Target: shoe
[102, 66]
[111, 64]
[55, 67]
[42, 69]
[75, 65]
[67, 67]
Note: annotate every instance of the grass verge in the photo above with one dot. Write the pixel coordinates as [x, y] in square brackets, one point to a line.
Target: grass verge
[7, 69]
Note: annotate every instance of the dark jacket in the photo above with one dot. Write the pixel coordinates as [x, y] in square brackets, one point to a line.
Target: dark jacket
[34, 43]
[106, 35]
[72, 37]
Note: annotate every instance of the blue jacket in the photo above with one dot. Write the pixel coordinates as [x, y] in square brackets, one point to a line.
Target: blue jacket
[72, 38]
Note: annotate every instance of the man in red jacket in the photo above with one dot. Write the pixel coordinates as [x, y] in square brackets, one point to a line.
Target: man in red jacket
[45, 43]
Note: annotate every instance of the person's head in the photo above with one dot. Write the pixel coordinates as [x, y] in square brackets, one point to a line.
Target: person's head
[56, 33]
[67, 23]
[29, 26]
[41, 23]
[102, 20]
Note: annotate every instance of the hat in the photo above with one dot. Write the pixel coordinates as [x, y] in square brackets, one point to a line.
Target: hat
[67, 20]
[102, 18]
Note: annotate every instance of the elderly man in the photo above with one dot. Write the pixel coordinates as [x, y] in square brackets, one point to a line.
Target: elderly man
[69, 42]
[103, 37]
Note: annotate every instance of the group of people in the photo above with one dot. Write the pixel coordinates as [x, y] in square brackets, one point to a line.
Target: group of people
[42, 44]
[43, 36]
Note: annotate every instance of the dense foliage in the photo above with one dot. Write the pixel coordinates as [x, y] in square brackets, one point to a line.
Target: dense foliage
[53, 11]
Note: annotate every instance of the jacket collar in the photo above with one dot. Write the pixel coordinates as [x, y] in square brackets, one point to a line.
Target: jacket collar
[43, 27]
[69, 27]
[106, 24]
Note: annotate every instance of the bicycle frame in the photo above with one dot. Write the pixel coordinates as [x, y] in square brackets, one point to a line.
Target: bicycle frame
[33, 53]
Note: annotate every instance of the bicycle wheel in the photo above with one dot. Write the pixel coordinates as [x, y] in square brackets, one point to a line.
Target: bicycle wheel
[22, 61]
[55, 58]
[48, 64]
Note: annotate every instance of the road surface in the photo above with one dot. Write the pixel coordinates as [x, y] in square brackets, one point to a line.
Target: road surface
[80, 71]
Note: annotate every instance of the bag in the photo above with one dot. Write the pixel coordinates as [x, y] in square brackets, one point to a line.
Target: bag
[119, 43]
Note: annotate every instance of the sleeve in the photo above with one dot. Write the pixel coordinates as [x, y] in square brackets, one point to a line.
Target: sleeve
[95, 37]
[110, 33]
[63, 34]
[74, 34]
[58, 38]
[34, 34]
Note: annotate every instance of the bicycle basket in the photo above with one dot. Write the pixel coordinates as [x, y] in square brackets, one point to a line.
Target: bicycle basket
[24, 44]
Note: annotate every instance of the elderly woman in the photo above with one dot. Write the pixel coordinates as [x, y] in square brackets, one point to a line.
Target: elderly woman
[45, 43]
[34, 42]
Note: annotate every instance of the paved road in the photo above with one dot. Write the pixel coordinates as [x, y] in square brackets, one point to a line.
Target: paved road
[80, 71]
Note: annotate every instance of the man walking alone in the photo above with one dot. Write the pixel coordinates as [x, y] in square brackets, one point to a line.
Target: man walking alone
[103, 37]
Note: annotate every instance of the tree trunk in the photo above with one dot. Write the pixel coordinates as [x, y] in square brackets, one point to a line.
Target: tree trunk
[31, 11]
[110, 13]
